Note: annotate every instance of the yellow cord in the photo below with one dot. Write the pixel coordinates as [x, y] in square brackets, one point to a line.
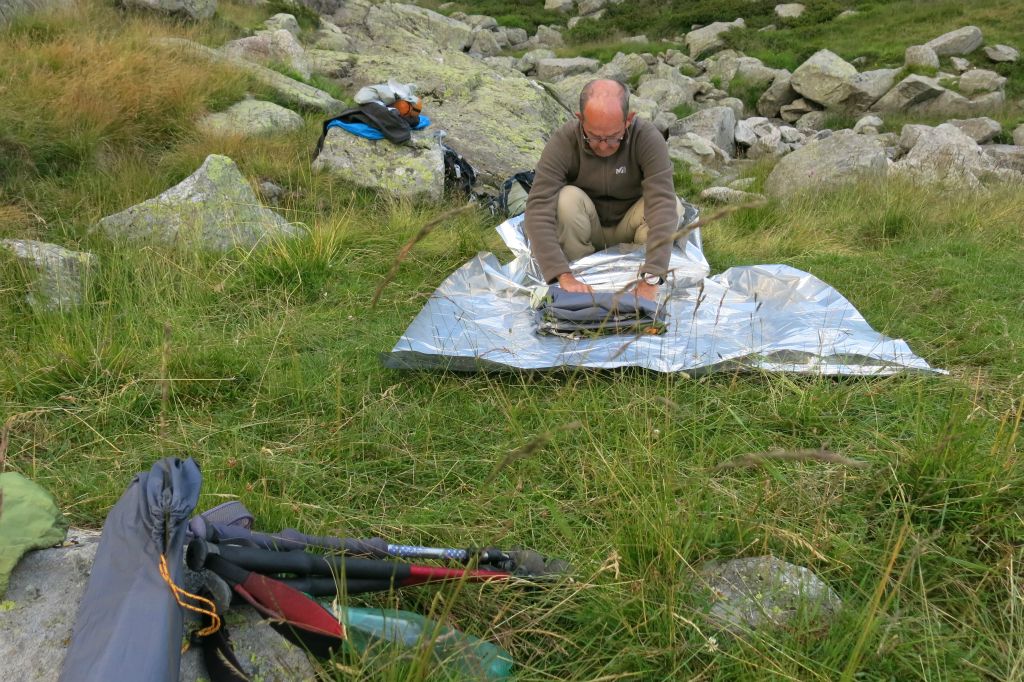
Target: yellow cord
[178, 592]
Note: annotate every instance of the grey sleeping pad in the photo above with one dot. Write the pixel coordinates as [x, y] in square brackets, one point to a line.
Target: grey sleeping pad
[129, 626]
[601, 311]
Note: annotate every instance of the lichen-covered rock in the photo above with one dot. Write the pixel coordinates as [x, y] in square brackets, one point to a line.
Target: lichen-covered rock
[977, 81]
[331, 37]
[57, 277]
[586, 7]
[944, 155]
[952, 104]
[982, 129]
[666, 93]
[959, 42]
[911, 90]
[1002, 53]
[410, 171]
[778, 94]
[270, 47]
[702, 156]
[868, 87]
[1018, 135]
[811, 121]
[624, 67]
[795, 110]
[406, 27]
[754, 74]
[283, 21]
[1007, 156]
[331, 63]
[251, 117]
[868, 125]
[549, 37]
[838, 159]
[824, 78]
[921, 55]
[764, 594]
[728, 195]
[716, 124]
[709, 38]
[485, 44]
[553, 69]
[189, 9]
[499, 121]
[563, 6]
[789, 10]
[528, 62]
[214, 208]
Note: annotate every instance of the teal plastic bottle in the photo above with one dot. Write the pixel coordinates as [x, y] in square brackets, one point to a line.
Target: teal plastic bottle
[479, 660]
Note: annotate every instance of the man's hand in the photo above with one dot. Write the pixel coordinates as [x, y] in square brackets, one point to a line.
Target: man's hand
[573, 285]
[648, 291]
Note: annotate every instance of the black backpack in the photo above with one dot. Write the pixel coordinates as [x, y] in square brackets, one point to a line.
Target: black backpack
[512, 198]
[459, 175]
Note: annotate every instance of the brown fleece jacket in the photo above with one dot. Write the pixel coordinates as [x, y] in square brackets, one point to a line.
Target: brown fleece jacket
[640, 167]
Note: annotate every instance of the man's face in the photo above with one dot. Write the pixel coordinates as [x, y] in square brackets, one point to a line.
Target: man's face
[604, 129]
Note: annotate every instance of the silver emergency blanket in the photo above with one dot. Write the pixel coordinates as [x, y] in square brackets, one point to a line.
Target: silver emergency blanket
[758, 317]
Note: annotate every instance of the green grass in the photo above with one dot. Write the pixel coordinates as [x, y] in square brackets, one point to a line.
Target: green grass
[268, 374]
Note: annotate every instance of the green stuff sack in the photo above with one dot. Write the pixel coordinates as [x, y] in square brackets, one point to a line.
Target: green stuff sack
[29, 519]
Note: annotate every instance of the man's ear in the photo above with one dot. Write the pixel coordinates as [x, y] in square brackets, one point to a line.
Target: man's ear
[579, 116]
[629, 118]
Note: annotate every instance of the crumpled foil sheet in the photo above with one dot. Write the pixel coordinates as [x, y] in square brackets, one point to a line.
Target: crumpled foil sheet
[758, 317]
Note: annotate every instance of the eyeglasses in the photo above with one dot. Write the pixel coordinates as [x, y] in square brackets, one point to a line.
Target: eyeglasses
[606, 139]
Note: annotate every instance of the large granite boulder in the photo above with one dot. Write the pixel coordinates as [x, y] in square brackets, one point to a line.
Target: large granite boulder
[408, 171]
[789, 10]
[821, 164]
[778, 94]
[270, 47]
[251, 117]
[1007, 156]
[824, 78]
[555, 69]
[945, 155]
[408, 28]
[624, 67]
[868, 87]
[977, 81]
[911, 90]
[709, 38]
[716, 124]
[214, 208]
[921, 55]
[57, 277]
[1002, 54]
[1018, 135]
[702, 157]
[982, 129]
[666, 93]
[498, 121]
[959, 42]
[952, 104]
[563, 6]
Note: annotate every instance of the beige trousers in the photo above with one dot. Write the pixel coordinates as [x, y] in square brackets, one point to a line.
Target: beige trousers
[579, 229]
